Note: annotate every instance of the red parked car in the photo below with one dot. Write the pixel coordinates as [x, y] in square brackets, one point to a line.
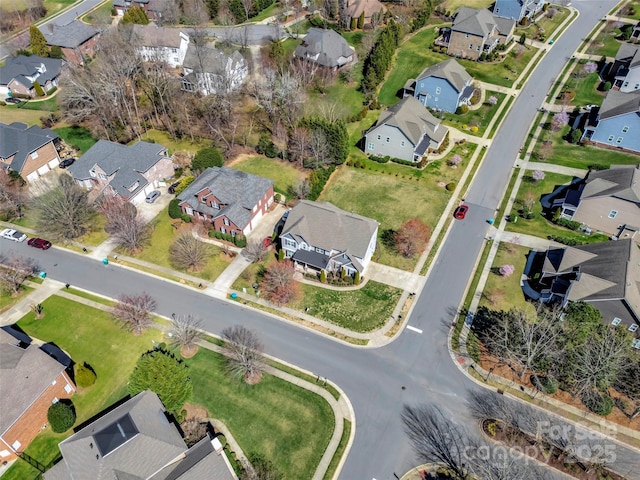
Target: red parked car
[267, 242]
[460, 212]
[39, 243]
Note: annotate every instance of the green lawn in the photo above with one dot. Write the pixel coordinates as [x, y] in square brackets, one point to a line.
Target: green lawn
[185, 144]
[586, 89]
[359, 310]
[44, 448]
[546, 25]
[479, 118]
[345, 97]
[48, 105]
[539, 225]
[631, 10]
[77, 137]
[503, 293]
[605, 43]
[270, 11]
[96, 234]
[7, 300]
[453, 5]
[9, 114]
[414, 55]
[100, 15]
[157, 250]
[287, 424]
[284, 174]
[582, 156]
[392, 194]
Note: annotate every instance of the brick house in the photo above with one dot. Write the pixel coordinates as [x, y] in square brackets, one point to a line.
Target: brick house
[130, 172]
[475, 32]
[76, 39]
[19, 74]
[30, 151]
[32, 380]
[156, 10]
[232, 200]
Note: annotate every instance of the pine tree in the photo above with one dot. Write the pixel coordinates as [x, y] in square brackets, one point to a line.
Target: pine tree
[38, 42]
[323, 276]
[38, 88]
[361, 21]
[135, 15]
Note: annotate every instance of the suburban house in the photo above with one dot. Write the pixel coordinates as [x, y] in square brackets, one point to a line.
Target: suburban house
[209, 70]
[443, 86]
[159, 44]
[606, 201]
[605, 274]
[635, 33]
[624, 72]
[31, 381]
[136, 440]
[407, 131]
[19, 74]
[354, 8]
[616, 123]
[232, 200]
[30, 151]
[119, 170]
[475, 32]
[518, 9]
[76, 39]
[326, 48]
[155, 9]
[319, 236]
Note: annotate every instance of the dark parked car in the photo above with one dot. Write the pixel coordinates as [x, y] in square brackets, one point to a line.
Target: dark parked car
[172, 187]
[39, 243]
[460, 212]
[67, 162]
[15, 101]
[152, 197]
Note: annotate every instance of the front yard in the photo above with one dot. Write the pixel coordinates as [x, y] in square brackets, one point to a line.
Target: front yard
[585, 88]
[476, 121]
[284, 174]
[605, 44]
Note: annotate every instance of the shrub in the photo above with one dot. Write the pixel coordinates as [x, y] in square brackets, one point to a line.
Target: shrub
[506, 270]
[240, 241]
[450, 186]
[475, 97]
[571, 242]
[570, 224]
[186, 218]
[538, 175]
[356, 280]
[576, 135]
[462, 109]
[38, 88]
[184, 183]
[523, 38]
[323, 276]
[601, 404]
[266, 147]
[206, 158]
[455, 160]
[281, 255]
[61, 416]
[174, 208]
[84, 375]
[378, 159]
[607, 86]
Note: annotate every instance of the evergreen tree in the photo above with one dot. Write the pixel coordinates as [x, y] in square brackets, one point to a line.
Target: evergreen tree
[361, 21]
[38, 42]
[38, 88]
[135, 15]
[56, 52]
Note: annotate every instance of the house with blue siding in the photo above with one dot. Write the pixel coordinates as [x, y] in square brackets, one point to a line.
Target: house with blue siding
[518, 9]
[444, 86]
[617, 122]
[406, 131]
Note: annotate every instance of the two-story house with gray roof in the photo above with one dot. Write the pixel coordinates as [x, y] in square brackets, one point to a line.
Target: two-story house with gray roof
[624, 72]
[326, 48]
[319, 236]
[518, 9]
[475, 32]
[616, 123]
[209, 70]
[605, 275]
[76, 39]
[130, 172]
[29, 151]
[406, 131]
[18, 74]
[136, 440]
[233, 201]
[160, 44]
[31, 381]
[606, 201]
[443, 86]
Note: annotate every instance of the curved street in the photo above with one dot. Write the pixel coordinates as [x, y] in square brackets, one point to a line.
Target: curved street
[416, 366]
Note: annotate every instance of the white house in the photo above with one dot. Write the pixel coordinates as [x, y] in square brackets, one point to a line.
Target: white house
[209, 70]
[159, 44]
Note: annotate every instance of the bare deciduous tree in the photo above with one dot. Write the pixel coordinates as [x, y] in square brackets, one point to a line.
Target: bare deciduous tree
[278, 284]
[14, 196]
[134, 311]
[255, 251]
[124, 223]
[64, 212]
[301, 190]
[185, 333]
[188, 252]
[245, 353]
[14, 271]
[411, 237]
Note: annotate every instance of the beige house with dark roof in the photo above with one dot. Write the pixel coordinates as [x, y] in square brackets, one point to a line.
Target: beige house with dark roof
[406, 131]
[475, 32]
[319, 236]
[326, 48]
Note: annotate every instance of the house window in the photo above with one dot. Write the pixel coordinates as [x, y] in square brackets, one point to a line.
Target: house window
[625, 84]
[402, 143]
[55, 400]
[67, 388]
[34, 155]
[371, 146]
[223, 230]
[616, 321]
[497, 11]
[471, 46]
[613, 213]
[388, 139]
[478, 48]
[4, 453]
[619, 140]
[319, 250]
[214, 205]
[54, 382]
[189, 211]
[438, 90]
[633, 327]
[226, 221]
[636, 344]
[466, 35]
[611, 137]
[625, 129]
[379, 137]
[16, 445]
[289, 243]
[233, 233]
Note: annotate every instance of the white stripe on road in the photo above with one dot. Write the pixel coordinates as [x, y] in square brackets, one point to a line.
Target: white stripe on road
[414, 329]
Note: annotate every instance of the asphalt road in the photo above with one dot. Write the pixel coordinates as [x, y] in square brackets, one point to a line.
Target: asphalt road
[373, 378]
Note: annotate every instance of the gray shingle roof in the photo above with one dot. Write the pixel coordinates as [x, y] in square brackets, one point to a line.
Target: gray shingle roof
[156, 444]
[240, 191]
[128, 163]
[21, 140]
[70, 35]
[152, 35]
[621, 181]
[480, 22]
[618, 103]
[21, 67]
[449, 70]
[24, 375]
[413, 119]
[629, 54]
[326, 226]
[211, 60]
[328, 45]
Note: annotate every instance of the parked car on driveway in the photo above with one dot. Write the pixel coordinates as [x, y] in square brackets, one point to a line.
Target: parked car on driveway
[13, 235]
[172, 187]
[15, 101]
[39, 243]
[67, 162]
[152, 197]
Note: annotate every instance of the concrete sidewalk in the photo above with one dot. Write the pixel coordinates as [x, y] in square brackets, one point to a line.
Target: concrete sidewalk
[550, 167]
[38, 295]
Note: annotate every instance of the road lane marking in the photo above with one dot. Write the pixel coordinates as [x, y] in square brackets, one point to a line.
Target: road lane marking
[414, 329]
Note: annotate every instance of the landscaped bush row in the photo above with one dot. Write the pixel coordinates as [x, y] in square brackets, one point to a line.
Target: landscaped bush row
[571, 242]
[317, 180]
[239, 240]
[378, 159]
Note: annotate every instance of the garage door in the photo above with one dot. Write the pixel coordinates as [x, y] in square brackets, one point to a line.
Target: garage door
[43, 169]
[53, 163]
[32, 176]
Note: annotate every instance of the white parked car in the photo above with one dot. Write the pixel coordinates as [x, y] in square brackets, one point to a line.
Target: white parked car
[11, 234]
